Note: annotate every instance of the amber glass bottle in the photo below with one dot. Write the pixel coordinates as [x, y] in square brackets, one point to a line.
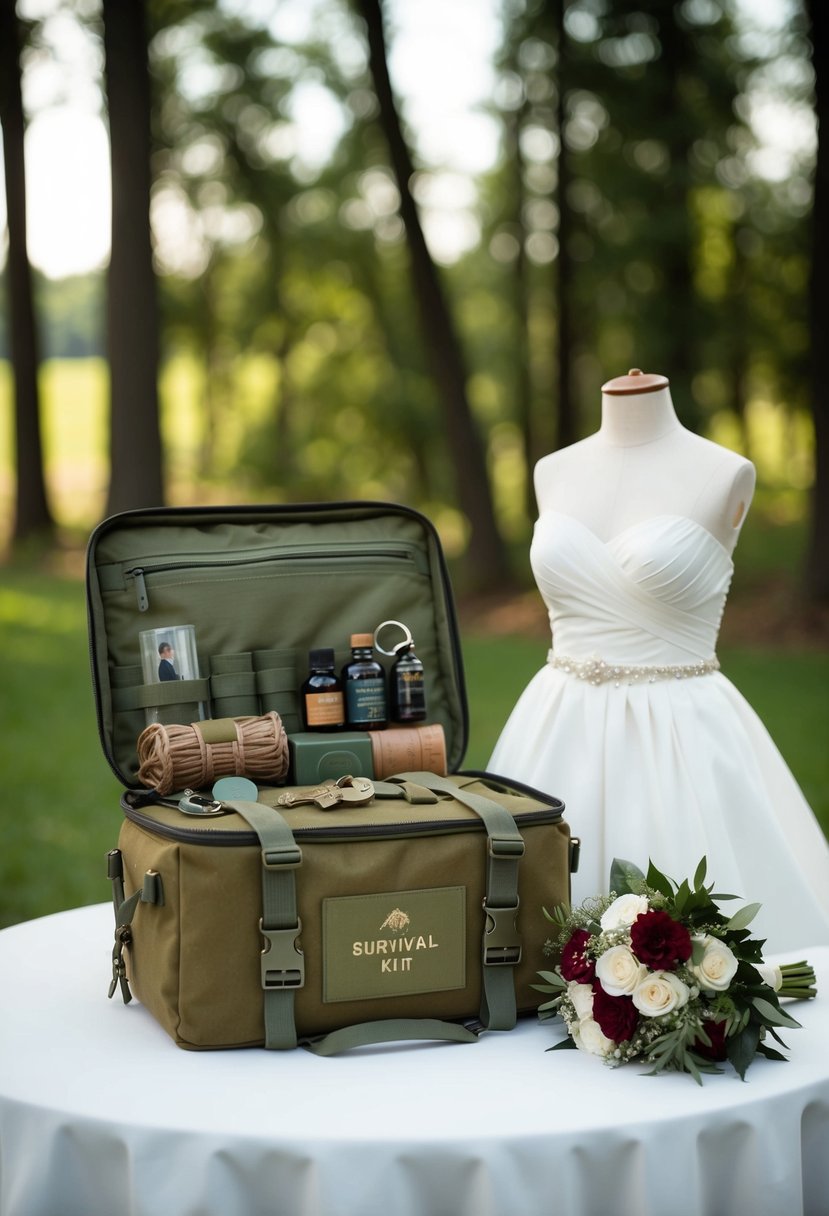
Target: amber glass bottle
[323, 704]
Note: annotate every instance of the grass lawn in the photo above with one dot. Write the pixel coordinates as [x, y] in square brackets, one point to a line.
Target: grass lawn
[60, 810]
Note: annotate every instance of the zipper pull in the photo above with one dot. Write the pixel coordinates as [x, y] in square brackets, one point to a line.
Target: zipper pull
[140, 588]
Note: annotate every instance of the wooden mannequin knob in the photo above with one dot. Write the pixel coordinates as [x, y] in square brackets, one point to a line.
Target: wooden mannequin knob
[636, 381]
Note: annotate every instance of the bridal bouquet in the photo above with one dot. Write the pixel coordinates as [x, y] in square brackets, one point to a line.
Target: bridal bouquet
[656, 972]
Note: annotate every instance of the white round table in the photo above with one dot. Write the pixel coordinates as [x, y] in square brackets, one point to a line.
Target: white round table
[101, 1114]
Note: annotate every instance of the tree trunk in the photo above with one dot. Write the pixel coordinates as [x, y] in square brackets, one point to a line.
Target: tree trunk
[523, 384]
[486, 555]
[32, 515]
[738, 347]
[566, 418]
[675, 251]
[817, 561]
[132, 318]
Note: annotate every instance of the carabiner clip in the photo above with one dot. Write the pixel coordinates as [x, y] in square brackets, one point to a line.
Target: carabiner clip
[198, 804]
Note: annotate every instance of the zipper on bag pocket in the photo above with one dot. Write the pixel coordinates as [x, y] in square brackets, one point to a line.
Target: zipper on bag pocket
[341, 554]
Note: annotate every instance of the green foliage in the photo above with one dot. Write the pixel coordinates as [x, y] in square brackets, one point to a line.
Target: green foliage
[623, 876]
[682, 255]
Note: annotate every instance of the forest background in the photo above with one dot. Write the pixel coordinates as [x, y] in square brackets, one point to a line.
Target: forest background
[285, 318]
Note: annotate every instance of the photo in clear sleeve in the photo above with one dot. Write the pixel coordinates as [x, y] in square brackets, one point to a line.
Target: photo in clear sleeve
[169, 655]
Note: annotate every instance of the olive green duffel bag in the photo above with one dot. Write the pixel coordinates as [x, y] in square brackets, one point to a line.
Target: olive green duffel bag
[414, 912]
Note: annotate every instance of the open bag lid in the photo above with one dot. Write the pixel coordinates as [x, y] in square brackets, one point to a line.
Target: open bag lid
[247, 592]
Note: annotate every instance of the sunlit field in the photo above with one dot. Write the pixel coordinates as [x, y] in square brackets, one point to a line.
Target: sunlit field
[74, 427]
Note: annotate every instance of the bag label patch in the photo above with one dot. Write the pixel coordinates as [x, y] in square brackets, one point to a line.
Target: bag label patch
[394, 943]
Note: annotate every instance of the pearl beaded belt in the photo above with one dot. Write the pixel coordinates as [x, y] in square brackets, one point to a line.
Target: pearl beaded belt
[597, 671]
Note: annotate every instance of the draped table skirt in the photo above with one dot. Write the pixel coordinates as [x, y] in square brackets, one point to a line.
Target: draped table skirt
[100, 1113]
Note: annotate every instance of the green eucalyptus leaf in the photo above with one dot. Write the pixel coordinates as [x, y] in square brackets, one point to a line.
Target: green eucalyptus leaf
[682, 897]
[552, 977]
[741, 1049]
[656, 879]
[622, 873]
[764, 1050]
[690, 1064]
[770, 1013]
[744, 917]
[565, 1045]
[700, 872]
[776, 1037]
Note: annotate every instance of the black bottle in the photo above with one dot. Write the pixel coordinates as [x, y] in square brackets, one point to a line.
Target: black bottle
[406, 685]
[323, 704]
[364, 681]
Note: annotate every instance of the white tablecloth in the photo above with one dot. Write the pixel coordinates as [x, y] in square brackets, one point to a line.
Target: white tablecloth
[100, 1113]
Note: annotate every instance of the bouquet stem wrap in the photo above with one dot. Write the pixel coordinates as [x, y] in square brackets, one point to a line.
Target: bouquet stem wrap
[178, 757]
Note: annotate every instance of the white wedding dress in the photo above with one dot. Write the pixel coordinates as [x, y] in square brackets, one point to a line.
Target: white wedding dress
[663, 764]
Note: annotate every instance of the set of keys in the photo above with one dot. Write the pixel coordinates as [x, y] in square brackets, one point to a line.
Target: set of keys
[348, 791]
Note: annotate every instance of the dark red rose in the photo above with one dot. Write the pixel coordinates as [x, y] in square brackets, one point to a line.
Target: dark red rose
[716, 1033]
[576, 963]
[659, 941]
[616, 1016]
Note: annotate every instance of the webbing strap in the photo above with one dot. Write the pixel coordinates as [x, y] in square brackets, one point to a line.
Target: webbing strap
[400, 788]
[501, 941]
[283, 963]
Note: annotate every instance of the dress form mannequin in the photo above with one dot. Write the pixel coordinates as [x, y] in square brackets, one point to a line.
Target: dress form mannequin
[655, 753]
[642, 462]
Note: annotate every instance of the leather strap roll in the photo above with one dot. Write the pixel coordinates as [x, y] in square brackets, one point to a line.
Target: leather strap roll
[407, 749]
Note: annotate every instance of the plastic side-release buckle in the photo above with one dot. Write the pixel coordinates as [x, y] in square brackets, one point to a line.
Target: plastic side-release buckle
[502, 943]
[275, 857]
[283, 963]
[506, 847]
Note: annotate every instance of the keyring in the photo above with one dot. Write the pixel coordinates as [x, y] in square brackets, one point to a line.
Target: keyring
[407, 639]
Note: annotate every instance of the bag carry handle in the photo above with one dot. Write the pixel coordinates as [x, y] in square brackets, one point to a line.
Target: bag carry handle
[391, 1030]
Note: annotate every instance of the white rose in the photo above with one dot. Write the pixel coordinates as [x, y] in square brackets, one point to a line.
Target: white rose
[624, 911]
[619, 971]
[591, 1039]
[683, 992]
[716, 969]
[581, 997]
[659, 993]
[771, 975]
